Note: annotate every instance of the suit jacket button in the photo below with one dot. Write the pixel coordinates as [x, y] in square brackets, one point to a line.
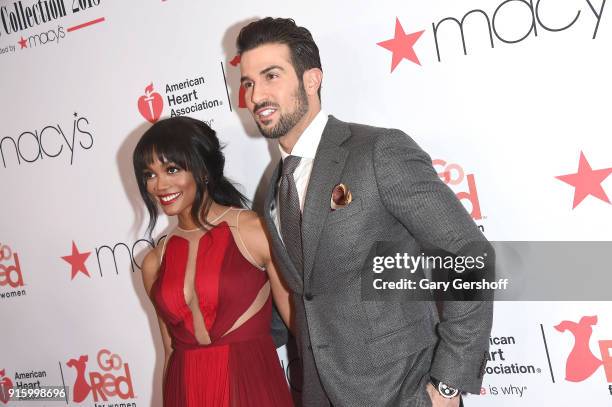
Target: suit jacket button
[308, 296]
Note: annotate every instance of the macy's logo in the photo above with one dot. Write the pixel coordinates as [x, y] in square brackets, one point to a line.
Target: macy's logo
[102, 384]
[530, 21]
[151, 104]
[5, 386]
[581, 363]
[452, 175]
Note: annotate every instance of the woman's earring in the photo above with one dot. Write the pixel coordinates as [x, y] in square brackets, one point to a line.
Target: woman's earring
[206, 181]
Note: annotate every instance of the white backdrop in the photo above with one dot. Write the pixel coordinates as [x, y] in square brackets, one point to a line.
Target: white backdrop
[508, 119]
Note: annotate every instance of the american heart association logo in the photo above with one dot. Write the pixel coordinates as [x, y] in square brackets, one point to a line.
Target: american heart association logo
[151, 104]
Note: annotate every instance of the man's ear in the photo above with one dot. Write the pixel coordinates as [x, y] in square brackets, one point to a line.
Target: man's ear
[312, 80]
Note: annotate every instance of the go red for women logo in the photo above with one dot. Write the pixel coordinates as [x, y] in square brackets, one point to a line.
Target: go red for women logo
[111, 378]
[454, 175]
[10, 270]
[151, 104]
[5, 386]
[581, 362]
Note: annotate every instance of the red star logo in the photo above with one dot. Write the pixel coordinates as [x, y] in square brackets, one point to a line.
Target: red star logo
[402, 46]
[23, 43]
[587, 181]
[77, 261]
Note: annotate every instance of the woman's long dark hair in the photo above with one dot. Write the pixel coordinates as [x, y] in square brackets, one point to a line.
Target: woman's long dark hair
[194, 147]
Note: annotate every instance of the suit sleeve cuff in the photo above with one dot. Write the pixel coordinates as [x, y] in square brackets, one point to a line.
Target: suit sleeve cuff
[461, 372]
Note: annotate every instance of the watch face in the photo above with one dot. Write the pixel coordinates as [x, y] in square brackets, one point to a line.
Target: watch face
[447, 391]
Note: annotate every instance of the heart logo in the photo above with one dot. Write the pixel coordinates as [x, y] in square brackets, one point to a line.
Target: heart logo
[151, 104]
[5, 385]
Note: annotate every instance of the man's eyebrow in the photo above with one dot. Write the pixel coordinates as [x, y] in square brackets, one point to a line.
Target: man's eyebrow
[268, 69]
[265, 71]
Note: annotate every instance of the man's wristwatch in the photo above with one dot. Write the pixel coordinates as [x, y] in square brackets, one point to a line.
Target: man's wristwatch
[444, 389]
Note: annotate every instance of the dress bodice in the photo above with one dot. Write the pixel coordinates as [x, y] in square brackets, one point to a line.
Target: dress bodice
[231, 293]
[217, 307]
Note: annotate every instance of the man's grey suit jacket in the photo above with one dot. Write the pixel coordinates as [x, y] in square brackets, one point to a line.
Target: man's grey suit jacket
[376, 353]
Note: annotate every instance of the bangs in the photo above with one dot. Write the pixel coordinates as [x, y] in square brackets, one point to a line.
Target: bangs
[156, 144]
[165, 152]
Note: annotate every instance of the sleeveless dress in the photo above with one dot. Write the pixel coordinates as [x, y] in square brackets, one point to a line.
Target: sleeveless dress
[223, 353]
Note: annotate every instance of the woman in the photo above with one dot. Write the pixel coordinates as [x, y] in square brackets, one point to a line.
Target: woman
[210, 280]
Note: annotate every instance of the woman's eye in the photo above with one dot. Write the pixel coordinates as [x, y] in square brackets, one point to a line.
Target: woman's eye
[173, 170]
[148, 175]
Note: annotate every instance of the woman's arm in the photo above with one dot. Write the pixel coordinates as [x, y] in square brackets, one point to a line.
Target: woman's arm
[255, 238]
[280, 294]
[150, 269]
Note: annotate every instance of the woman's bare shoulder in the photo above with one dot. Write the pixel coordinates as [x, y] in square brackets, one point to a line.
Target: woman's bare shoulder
[251, 223]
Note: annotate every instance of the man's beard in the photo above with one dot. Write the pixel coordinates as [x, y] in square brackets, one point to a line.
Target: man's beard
[289, 120]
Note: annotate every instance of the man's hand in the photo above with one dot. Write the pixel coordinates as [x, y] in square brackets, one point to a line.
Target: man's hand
[438, 401]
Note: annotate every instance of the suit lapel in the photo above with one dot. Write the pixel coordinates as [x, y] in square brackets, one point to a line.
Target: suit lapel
[326, 171]
[289, 271]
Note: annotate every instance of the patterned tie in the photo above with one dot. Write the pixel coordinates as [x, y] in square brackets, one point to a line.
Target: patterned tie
[289, 210]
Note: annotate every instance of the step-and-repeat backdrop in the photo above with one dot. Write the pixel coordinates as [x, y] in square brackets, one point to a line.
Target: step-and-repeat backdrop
[510, 98]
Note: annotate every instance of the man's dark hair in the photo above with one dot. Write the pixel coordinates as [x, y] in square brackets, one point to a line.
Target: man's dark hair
[303, 50]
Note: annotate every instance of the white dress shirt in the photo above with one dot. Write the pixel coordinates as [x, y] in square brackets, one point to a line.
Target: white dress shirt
[306, 148]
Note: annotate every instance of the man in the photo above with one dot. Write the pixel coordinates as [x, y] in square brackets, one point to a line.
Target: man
[340, 189]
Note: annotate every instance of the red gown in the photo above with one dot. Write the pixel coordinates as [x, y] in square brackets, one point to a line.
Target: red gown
[239, 367]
